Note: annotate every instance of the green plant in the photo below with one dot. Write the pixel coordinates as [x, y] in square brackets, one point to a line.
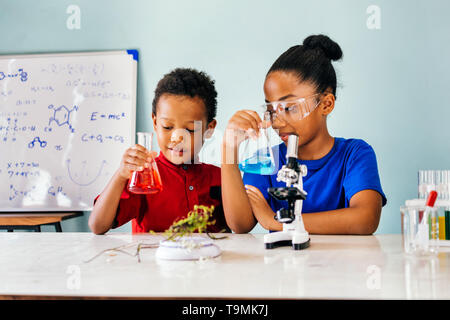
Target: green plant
[197, 220]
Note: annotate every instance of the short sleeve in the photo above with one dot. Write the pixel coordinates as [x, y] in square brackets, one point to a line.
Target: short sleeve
[361, 172]
[262, 182]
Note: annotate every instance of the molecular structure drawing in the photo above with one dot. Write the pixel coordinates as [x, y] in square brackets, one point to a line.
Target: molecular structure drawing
[62, 116]
[42, 143]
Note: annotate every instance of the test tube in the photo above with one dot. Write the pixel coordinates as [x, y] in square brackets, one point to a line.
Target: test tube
[441, 184]
[431, 181]
[422, 184]
[437, 181]
[447, 187]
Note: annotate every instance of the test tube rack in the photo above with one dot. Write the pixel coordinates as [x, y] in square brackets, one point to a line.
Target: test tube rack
[440, 203]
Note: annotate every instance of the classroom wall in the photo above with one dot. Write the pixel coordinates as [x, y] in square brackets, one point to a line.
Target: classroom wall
[393, 80]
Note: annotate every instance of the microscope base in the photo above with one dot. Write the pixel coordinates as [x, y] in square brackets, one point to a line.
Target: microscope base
[282, 238]
[276, 244]
[301, 246]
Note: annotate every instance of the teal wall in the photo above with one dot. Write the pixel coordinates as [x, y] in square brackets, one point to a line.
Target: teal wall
[393, 82]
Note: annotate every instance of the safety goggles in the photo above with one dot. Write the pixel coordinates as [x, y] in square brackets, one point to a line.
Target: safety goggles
[290, 110]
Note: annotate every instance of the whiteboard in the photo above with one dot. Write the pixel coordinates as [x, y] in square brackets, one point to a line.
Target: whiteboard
[65, 121]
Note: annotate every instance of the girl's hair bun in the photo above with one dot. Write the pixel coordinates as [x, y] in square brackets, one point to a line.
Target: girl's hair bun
[330, 48]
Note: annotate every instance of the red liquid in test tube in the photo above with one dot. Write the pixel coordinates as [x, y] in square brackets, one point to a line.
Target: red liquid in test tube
[147, 181]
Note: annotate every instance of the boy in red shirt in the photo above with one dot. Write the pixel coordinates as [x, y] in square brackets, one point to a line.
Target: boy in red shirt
[184, 108]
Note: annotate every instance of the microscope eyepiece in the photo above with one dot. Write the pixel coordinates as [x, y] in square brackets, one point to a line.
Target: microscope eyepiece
[292, 147]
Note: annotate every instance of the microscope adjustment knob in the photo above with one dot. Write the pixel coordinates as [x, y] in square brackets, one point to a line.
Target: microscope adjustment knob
[284, 216]
[303, 170]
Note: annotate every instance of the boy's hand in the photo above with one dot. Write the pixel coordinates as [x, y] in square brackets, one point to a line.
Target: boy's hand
[261, 209]
[243, 124]
[135, 158]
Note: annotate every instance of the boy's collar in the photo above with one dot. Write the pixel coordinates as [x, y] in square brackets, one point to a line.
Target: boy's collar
[167, 162]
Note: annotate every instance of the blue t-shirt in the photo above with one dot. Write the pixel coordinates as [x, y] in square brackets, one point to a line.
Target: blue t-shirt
[331, 181]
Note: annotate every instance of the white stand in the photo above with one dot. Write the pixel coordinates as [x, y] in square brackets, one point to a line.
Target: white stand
[299, 240]
[293, 233]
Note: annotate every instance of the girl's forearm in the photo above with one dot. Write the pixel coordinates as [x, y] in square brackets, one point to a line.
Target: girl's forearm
[356, 221]
[341, 221]
[237, 209]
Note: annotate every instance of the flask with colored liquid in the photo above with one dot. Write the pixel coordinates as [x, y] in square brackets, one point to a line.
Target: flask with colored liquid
[148, 180]
[256, 155]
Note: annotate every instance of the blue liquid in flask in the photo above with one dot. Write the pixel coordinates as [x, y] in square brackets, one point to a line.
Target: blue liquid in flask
[259, 164]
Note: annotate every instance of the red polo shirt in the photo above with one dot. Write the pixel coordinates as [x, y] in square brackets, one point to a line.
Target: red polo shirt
[183, 187]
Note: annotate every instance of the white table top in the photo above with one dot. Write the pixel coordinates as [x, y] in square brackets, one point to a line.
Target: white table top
[336, 267]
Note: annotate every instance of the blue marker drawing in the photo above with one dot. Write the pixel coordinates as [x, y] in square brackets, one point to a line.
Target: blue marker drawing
[61, 116]
[52, 191]
[23, 75]
[100, 138]
[84, 184]
[17, 193]
[95, 116]
[43, 144]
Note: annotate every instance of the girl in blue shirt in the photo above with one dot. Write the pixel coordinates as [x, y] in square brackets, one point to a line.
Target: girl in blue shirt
[343, 185]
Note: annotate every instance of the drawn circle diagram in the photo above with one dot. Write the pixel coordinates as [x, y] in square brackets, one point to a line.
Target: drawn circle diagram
[72, 176]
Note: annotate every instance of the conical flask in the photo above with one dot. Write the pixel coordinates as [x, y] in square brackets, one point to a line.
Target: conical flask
[256, 155]
[147, 181]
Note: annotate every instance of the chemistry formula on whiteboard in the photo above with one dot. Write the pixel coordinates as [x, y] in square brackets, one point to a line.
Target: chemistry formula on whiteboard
[65, 121]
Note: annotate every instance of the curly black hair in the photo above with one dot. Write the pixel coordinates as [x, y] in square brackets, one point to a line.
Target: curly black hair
[188, 82]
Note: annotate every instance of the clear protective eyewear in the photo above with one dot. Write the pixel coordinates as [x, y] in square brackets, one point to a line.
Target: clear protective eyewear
[290, 110]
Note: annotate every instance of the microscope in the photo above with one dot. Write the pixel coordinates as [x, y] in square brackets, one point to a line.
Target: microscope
[292, 174]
